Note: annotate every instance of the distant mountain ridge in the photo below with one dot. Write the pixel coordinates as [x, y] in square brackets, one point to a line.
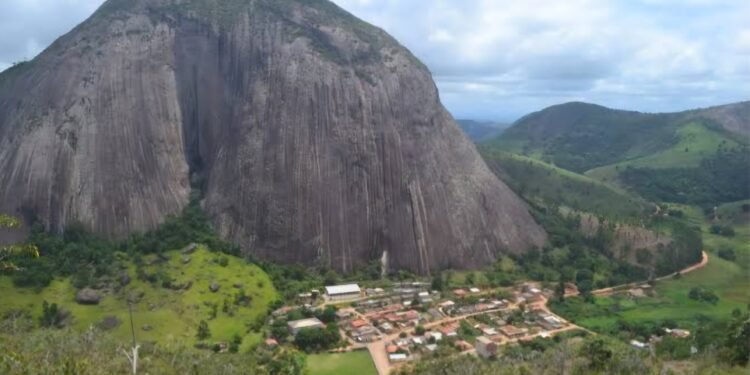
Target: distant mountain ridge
[479, 131]
[698, 156]
[582, 136]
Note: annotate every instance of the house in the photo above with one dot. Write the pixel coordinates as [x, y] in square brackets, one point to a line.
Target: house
[386, 327]
[359, 323]
[446, 304]
[416, 340]
[435, 314]
[397, 357]
[343, 292]
[343, 314]
[463, 345]
[459, 292]
[282, 311]
[550, 322]
[513, 331]
[474, 290]
[488, 331]
[437, 336]
[431, 347]
[450, 330]
[486, 348]
[271, 343]
[297, 325]
[365, 334]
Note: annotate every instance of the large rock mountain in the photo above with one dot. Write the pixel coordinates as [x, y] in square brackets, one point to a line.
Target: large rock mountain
[313, 136]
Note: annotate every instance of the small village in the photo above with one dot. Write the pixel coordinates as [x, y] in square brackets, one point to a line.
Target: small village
[409, 321]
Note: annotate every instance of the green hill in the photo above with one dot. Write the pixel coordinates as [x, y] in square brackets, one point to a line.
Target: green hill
[479, 131]
[663, 157]
[537, 180]
[171, 296]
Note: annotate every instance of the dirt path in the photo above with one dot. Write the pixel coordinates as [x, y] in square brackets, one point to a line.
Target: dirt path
[379, 357]
[612, 289]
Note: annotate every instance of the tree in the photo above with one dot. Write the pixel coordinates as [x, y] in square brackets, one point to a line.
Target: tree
[234, 345]
[316, 339]
[6, 252]
[437, 283]
[327, 315]
[598, 353]
[203, 331]
[560, 291]
[53, 316]
[419, 330]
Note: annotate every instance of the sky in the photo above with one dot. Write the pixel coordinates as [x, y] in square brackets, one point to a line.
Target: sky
[500, 59]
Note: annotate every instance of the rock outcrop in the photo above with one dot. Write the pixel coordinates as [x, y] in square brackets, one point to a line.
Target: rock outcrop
[313, 136]
[88, 296]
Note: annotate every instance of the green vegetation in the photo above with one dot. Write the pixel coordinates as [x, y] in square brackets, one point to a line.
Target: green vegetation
[537, 180]
[671, 301]
[316, 339]
[663, 157]
[66, 351]
[591, 355]
[580, 136]
[14, 250]
[358, 362]
[720, 178]
[170, 298]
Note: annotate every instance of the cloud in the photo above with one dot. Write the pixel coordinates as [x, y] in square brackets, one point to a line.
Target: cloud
[500, 59]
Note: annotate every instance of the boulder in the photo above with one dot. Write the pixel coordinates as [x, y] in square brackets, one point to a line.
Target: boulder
[136, 296]
[189, 249]
[88, 296]
[214, 287]
[124, 278]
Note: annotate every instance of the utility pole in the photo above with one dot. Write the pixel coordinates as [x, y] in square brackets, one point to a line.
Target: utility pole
[133, 356]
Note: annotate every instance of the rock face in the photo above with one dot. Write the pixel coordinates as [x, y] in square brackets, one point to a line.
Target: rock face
[87, 296]
[313, 136]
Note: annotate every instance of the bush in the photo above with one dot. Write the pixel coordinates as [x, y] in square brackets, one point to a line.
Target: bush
[316, 339]
[722, 230]
[700, 294]
[727, 254]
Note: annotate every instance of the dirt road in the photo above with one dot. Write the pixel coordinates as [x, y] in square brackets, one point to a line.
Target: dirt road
[611, 290]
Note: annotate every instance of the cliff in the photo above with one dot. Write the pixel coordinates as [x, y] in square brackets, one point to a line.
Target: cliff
[313, 136]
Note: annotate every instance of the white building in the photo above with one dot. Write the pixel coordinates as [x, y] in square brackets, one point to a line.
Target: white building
[486, 348]
[296, 325]
[343, 292]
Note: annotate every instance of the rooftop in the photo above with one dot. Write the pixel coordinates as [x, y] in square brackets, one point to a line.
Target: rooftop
[305, 323]
[342, 289]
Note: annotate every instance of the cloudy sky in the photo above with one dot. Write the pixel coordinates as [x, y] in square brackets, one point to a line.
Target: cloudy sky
[500, 59]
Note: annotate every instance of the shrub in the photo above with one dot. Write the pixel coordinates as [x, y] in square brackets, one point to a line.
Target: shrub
[727, 254]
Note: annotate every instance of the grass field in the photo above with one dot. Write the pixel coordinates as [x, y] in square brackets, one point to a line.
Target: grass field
[172, 315]
[535, 179]
[696, 142]
[728, 279]
[352, 363]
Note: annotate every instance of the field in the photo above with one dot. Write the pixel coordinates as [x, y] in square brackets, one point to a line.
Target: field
[538, 180]
[356, 363]
[696, 142]
[169, 316]
[728, 279]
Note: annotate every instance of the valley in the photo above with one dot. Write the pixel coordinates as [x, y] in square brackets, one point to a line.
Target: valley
[275, 187]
